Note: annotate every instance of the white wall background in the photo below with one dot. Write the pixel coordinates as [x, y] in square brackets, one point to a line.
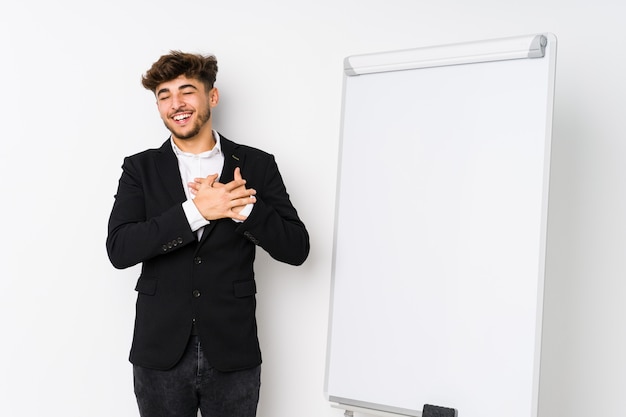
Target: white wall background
[72, 107]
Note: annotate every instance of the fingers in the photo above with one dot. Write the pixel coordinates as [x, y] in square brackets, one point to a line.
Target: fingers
[239, 205]
[236, 191]
[197, 183]
[238, 174]
[194, 186]
[238, 216]
[243, 196]
[237, 183]
[210, 181]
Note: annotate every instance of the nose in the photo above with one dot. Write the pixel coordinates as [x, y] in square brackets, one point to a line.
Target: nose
[177, 102]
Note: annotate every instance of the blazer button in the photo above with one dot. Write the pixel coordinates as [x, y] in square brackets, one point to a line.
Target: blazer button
[197, 260]
[164, 247]
[196, 293]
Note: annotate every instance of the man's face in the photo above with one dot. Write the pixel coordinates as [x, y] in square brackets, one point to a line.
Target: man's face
[185, 106]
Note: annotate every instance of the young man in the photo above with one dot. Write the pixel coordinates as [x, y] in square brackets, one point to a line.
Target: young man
[192, 212]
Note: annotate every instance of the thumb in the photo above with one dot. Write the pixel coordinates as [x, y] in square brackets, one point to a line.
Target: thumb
[237, 174]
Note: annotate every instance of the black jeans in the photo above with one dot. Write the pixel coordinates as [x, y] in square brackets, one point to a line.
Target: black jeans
[193, 384]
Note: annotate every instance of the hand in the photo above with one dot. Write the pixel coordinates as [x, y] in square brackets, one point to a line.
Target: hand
[215, 200]
[238, 177]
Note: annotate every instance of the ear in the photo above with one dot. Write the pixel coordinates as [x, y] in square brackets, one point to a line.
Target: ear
[214, 97]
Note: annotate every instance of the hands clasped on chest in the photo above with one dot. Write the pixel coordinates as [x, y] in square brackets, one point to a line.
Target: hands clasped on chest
[215, 200]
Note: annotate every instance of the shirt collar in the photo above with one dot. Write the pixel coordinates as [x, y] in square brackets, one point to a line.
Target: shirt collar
[217, 149]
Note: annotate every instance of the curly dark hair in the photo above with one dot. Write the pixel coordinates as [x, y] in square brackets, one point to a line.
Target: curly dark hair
[177, 63]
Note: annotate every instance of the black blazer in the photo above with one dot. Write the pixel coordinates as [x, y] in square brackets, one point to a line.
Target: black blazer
[210, 281]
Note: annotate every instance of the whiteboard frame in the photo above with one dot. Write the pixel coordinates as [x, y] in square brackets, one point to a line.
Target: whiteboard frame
[523, 47]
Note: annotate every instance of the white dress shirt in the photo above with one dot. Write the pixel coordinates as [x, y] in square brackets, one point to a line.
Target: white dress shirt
[200, 166]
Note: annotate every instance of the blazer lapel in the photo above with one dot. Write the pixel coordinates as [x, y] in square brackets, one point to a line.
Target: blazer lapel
[232, 159]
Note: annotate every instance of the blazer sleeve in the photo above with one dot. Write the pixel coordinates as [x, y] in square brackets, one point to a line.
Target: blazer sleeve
[136, 235]
[273, 223]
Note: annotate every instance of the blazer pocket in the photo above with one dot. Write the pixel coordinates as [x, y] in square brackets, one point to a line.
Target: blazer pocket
[146, 285]
[244, 288]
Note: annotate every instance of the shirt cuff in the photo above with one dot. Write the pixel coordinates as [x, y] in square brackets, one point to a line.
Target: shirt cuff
[194, 218]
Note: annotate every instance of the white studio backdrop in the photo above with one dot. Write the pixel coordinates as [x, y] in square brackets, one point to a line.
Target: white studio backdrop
[73, 107]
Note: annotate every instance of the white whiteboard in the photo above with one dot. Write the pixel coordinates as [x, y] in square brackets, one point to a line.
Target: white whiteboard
[438, 261]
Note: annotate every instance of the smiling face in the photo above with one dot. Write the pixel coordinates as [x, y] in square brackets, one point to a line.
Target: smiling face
[185, 108]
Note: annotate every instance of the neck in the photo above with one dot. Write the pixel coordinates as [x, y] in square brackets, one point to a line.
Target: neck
[202, 142]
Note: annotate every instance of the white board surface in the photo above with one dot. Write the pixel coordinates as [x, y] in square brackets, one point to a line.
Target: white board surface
[438, 261]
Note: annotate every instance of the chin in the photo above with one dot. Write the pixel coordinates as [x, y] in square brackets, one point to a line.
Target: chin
[184, 136]
[182, 133]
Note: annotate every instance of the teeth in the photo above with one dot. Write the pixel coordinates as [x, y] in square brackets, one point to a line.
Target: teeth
[180, 117]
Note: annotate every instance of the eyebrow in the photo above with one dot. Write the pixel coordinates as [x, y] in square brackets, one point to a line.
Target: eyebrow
[182, 87]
